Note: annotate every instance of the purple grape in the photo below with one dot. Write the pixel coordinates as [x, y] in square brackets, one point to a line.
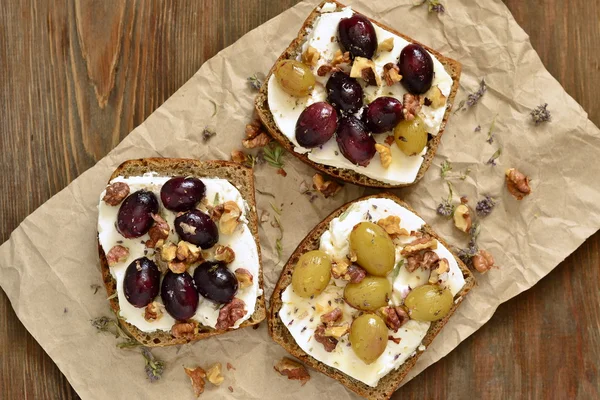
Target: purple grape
[357, 35]
[416, 68]
[344, 93]
[215, 282]
[383, 114]
[316, 125]
[197, 228]
[135, 214]
[354, 141]
[179, 295]
[141, 282]
[182, 194]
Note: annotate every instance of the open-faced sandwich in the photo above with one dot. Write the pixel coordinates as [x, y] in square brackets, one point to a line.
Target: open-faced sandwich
[179, 251]
[358, 100]
[365, 293]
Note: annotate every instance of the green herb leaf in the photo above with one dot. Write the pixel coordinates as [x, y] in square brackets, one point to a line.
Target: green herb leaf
[154, 367]
[344, 214]
[265, 193]
[396, 270]
[112, 296]
[490, 138]
[273, 154]
[279, 248]
[446, 168]
[494, 157]
[216, 199]
[275, 208]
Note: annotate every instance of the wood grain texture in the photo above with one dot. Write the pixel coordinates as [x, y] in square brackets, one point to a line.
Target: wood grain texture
[78, 75]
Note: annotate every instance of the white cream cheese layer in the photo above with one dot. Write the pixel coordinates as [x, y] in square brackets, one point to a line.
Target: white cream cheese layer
[301, 319]
[241, 241]
[286, 108]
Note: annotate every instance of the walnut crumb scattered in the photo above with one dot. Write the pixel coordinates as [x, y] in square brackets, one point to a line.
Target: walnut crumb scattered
[389, 140]
[184, 330]
[365, 68]
[341, 58]
[213, 374]
[332, 316]
[517, 183]
[385, 154]
[326, 188]
[117, 254]
[462, 218]
[197, 376]
[230, 217]
[115, 193]
[391, 224]
[411, 106]
[311, 56]
[483, 261]
[224, 253]
[238, 156]
[386, 45]
[293, 370]
[168, 252]
[244, 278]
[435, 97]
[153, 311]
[391, 74]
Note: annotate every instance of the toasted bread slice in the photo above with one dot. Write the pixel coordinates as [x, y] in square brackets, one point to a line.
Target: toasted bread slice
[239, 176]
[294, 49]
[389, 383]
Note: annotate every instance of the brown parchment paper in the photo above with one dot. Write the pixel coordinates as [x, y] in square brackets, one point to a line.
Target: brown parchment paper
[50, 261]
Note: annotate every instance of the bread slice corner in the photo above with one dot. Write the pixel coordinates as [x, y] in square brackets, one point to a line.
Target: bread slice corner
[239, 176]
[277, 330]
[261, 103]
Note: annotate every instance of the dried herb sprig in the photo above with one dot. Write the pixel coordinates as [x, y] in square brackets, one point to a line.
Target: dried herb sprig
[110, 325]
[446, 208]
[472, 248]
[490, 138]
[485, 206]
[273, 155]
[154, 367]
[446, 168]
[473, 98]
[207, 134]
[278, 241]
[255, 82]
[541, 114]
[396, 270]
[432, 5]
[494, 157]
[464, 174]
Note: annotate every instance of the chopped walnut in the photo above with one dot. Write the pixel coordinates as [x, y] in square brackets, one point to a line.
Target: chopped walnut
[386, 45]
[230, 218]
[355, 274]
[337, 331]
[115, 193]
[435, 97]
[324, 69]
[177, 267]
[326, 188]
[365, 69]
[411, 106]
[332, 316]
[259, 141]
[327, 341]
[462, 218]
[394, 339]
[389, 140]
[483, 261]
[230, 313]
[244, 278]
[213, 374]
[116, 255]
[391, 225]
[281, 172]
[339, 267]
[253, 129]
[238, 156]
[385, 154]
[197, 376]
[352, 256]
[293, 370]
[442, 267]
[158, 233]
[424, 260]
[153, 311]
[394, 317]
[188, 253]
[517, 183]
[341, 58]
[224, 253]
[422, 243]
[391, 74]
[168, 252]
[311, 56]
[184, 330]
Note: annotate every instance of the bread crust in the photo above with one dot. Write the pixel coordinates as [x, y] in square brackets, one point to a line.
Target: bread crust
[261, 103]
[239, 176]
[389, 383]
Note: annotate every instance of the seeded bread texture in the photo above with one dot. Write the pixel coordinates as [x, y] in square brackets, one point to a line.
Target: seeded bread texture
[295, 48]
[389, 383]
[239, 176]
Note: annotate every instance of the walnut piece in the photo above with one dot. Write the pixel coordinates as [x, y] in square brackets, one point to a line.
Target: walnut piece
[462, 218]
[153, 311]
[197, 376]
[391, 224]
[184, 330]
[115, 193]
[389, 140]
[116, 255]
[328, 342]
[442, 267]
[253, 129]
[394, 317]
[411, 106]
[339, 267]
[238, 156]
[244, 278]
[332, 316]
[424, 260]
[168, 251]
[158, 233]
[224, 253]
[355, 274]
[293, 370]
[386, 45]
[422, 243]
[391, 74]
[259, 141]
[365, 69]
[341, 58]
[385, 154]
[311, 56]
[177, 267]
[188, 253]
[517, 183]
[230, 217]
[435, 97]
[324, 69]
[326, 188]
[213, 374]
[337, 331]
[483, 261]
[230, 313]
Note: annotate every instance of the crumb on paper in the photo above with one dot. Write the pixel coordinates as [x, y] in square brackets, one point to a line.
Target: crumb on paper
[293, 370]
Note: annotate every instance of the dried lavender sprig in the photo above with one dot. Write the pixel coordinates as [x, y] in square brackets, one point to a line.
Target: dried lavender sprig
[446, 208]
[154, 367]
[541, 114]
[473, 98]
[485, 206]
[494, 157]
[255, 82]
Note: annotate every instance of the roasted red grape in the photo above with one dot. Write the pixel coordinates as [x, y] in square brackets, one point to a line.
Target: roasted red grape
[197, 228]
[354, 141]
[344, 93]
[141, 282]
[383, 114]
[357, 35]
[215, 282]
[316, 125]
[135, 214]
[182, 194]
[416, 68]
[179, 295]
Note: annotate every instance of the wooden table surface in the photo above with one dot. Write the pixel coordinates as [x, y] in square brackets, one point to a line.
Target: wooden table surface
[77, 76]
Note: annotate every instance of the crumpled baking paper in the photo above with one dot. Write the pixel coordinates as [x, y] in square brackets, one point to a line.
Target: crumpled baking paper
[50, 261]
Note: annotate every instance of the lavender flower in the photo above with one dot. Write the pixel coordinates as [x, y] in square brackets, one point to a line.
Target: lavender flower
[207, 134]
[445, 209]
[255, 82]
[485, 206]
[494, 157]
[474, 97]
[478, 128]
[154, 368]
[541, 114]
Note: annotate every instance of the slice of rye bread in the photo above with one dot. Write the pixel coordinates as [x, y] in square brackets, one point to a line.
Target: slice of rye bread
[453, 68]
[239, 176]
[390, 382]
